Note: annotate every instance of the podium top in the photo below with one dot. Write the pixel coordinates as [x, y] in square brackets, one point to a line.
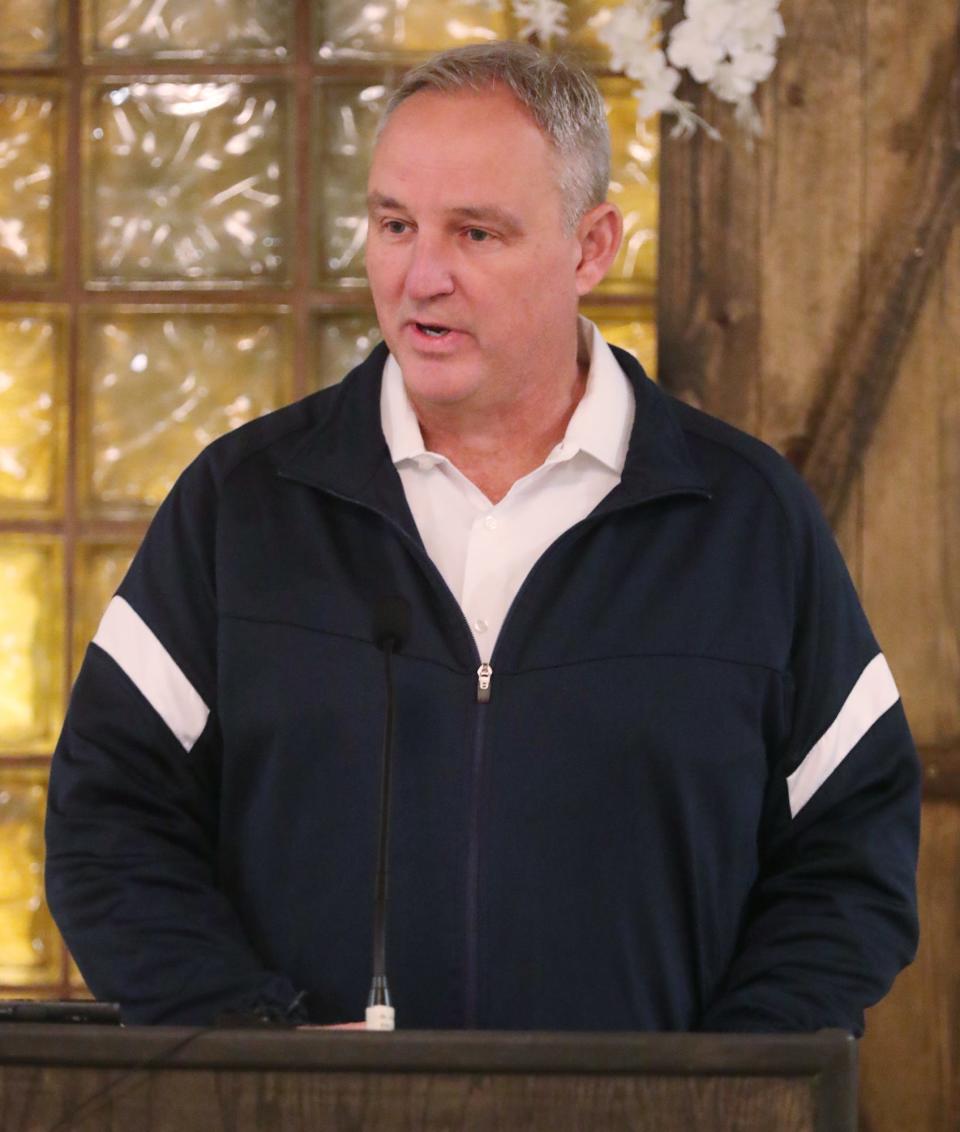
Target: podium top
[669, 1054]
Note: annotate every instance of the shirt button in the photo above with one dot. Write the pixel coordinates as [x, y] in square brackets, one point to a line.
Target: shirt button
[490, 523]
[480, 626]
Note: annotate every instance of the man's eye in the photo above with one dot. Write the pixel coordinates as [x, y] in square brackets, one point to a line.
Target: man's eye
[477, 235]
[395, 227]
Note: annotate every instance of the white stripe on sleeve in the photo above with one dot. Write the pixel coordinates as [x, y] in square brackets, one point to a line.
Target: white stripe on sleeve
[873, 694]
[134, 646]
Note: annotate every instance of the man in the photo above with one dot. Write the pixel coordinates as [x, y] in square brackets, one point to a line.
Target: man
[651, 770]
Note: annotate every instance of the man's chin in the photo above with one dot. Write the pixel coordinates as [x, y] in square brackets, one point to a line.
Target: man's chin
[437, 393]
[437, 381]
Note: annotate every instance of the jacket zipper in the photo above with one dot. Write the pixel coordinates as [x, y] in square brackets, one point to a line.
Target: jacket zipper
[484, 679]
[472, 980]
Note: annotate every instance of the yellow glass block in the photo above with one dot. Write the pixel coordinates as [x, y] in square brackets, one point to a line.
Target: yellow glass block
[184, 29]
[404, 28]
[31, 32]
[342, 341]
[634, 188]
[29, 159]
[584, 19]
[631, 330]
[159, 385]
[31, 643]
[32, 412]
[187, 183]
[348, 116]
[100, 568]
[30, 949]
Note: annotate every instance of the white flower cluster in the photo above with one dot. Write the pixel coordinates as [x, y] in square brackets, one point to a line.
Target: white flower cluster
[731, 45]
[632, 35]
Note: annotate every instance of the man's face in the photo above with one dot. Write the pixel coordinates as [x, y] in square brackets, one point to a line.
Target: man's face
[472, 275]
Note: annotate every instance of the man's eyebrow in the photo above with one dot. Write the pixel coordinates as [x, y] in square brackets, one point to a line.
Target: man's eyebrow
[484, 213]
[491, 213]
[377, 200]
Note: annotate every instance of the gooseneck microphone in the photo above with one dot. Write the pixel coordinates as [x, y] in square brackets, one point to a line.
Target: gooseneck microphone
[391, 623]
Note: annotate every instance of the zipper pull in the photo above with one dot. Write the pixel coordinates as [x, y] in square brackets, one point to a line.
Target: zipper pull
[484, 676]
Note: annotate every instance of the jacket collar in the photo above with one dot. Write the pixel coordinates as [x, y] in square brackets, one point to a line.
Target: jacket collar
[345, 452]
[659, 461]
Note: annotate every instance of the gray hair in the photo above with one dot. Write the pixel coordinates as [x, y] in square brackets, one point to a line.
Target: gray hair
[562, 98]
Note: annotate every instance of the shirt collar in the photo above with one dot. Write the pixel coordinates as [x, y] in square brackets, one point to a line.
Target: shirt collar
[602, 422]
[401, 429]
[600, 425]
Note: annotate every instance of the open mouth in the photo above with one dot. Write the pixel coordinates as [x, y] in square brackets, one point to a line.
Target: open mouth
[432, 330]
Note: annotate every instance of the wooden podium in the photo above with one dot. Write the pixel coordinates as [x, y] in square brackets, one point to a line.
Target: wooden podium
[56, 1078]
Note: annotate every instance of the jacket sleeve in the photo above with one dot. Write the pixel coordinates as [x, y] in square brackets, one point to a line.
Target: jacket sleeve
[132, 812]
[832, 918]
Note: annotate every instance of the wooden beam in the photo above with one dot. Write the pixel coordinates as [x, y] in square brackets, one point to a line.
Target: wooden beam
[941, 771]
[708, 301]
[858, 379]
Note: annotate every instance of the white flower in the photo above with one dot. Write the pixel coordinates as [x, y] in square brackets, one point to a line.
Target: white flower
[713, 18]
[767, 29]
[658, 81]
[737, 78]
[545, 18]
[689, 47]
[755, 65]
[730, 84]
[630, 34]
[733, 25]
[756, 27]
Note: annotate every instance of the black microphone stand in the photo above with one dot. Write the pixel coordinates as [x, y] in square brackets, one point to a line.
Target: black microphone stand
[391, 618]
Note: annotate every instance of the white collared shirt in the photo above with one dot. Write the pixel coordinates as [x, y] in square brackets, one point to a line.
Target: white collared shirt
[485, 550]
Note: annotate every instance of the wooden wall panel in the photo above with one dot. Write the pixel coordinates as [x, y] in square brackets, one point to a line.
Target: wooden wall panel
[907, 549]
[860, 147]
[708, 287]
[910, 1056]
[812, 259]
[911, 574]
[948, 307]
[811, 262]
[904, 582]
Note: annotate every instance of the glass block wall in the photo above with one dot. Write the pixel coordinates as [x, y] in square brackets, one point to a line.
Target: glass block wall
[181, 249]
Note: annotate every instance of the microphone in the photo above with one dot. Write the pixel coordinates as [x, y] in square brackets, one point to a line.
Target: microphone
[391, 623]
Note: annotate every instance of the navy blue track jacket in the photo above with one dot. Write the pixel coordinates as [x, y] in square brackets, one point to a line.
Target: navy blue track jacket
[691, 801]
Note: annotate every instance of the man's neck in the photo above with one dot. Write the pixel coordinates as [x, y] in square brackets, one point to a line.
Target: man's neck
[494, 445]
[495, 448]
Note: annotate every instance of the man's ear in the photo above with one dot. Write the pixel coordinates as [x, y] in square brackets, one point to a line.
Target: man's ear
[598, 233]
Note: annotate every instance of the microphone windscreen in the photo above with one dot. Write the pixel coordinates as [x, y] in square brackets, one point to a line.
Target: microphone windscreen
[391, 620]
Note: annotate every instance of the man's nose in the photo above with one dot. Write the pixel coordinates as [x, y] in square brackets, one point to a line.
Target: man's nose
[430, 270]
